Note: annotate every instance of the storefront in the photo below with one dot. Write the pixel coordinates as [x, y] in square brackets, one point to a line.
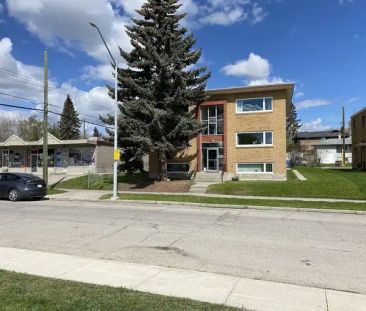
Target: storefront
[65, 156]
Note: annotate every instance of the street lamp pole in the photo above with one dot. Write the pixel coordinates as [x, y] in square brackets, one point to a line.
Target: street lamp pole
[116, 151]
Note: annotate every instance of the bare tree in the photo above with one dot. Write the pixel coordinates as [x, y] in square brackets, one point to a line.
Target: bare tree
[8, 126]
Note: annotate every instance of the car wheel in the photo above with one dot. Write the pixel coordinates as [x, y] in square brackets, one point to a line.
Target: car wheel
[14, 195]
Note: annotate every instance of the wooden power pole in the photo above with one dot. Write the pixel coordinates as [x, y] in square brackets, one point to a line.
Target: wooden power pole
[45, 119]
[344, 139]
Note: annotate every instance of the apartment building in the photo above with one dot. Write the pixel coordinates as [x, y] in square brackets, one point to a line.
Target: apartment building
[245, 135]
[358, 124]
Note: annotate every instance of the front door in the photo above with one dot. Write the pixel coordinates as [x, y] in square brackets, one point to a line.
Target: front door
[34, 163]
[212, 159]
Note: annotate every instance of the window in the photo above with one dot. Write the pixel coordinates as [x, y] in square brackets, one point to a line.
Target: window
[254, 105]
[178, 167]
[212, 118]
[254, 168]
[255, 138]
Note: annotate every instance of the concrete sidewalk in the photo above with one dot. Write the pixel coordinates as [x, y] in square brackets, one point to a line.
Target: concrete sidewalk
[214, 288]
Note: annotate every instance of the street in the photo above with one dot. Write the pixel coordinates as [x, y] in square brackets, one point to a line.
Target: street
[311, 249]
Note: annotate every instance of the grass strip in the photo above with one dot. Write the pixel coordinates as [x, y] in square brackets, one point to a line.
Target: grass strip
[242, 202]
[25, 292]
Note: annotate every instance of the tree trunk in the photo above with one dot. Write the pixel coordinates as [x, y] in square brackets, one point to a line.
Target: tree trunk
[163, 168]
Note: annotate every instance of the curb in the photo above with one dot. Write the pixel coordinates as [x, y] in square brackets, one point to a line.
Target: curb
[225, 206]
[251, 207]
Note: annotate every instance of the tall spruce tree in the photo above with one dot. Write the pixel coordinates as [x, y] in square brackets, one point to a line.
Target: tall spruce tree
[292, 127]
[160, 85]
[69, 122]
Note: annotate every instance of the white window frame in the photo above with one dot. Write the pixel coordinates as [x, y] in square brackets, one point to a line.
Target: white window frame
[259, 163]
[255, 145]
[180, 172]
[256, 111]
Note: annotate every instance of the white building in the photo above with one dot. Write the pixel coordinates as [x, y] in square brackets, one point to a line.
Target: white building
[329, 151]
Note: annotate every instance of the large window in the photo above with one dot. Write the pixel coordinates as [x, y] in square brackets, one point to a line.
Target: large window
[254, 168]
[254, 105]
[213, 119]
[254, 138]
[178, 167]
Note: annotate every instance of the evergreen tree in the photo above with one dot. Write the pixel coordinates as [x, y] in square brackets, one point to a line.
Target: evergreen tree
[160, 85]
[69, 123]
[292, 127]
[96, 132]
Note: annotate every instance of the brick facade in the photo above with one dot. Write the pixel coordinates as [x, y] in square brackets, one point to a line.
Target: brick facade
[274, 121]
[358, 123]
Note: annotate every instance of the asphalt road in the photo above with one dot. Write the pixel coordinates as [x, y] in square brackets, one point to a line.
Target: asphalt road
[312, 249]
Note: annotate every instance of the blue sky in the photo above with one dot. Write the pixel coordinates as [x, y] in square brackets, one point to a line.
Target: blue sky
[319, 45]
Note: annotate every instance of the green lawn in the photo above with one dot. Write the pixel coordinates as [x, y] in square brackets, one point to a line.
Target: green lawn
[104, 182]
[25, 292]
[241, 202]
[54, 191]
[321, 183]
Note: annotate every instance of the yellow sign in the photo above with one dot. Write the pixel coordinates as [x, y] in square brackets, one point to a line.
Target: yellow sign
[116, 155]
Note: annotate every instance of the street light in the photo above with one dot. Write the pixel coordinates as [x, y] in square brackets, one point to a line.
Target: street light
[116, 151]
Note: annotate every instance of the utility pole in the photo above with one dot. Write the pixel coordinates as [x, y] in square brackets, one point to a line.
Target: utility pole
[84, 129]
[45, 119]
[344, 140]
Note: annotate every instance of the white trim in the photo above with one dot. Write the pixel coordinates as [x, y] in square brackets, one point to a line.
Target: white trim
[255, 145]
[260, 163]
[256, 111]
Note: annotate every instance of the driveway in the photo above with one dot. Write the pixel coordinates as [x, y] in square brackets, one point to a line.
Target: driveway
[311, 249]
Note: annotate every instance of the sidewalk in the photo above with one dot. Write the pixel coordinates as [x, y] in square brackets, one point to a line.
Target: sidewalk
[94, 195]
[208, 287]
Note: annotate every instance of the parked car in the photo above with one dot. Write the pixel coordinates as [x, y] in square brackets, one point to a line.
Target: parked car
[18, 186]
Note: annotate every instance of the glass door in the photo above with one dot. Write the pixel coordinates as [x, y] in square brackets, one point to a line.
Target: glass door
[212, 159]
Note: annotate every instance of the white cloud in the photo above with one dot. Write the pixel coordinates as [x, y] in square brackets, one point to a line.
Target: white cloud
[310, 103]
[220, 12]
[273, 80]
[315, 125]
[341, 2]
[253, 68]
[225, 18]
[65, 24]
[24, 80]
[258, 14]
[299, 94]
[130, 7]
[353, 100]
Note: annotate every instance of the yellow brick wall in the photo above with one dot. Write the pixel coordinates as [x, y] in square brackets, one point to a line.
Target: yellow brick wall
[262, 121]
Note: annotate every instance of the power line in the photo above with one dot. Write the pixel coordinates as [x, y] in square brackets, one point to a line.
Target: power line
[56, 113]
[34, 103]
[11, 76]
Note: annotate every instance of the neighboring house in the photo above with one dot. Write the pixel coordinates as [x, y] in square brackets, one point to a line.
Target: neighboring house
[329, 151]
[64, 156]
[245, 135]
[308, 140]
[358, 123]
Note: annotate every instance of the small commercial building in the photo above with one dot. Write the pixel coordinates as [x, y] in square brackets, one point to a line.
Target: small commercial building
[358, 124]
[245, 135]
[64, 156]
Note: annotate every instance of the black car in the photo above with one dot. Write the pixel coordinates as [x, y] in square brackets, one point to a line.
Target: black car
[18, 186]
